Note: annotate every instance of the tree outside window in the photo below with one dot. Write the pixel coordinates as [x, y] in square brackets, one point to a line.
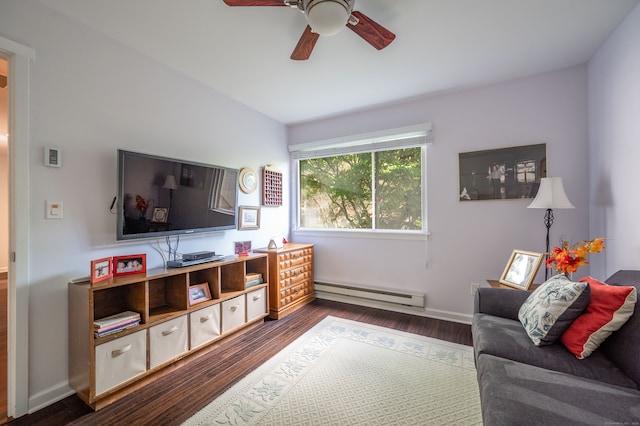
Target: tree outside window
[371, 190]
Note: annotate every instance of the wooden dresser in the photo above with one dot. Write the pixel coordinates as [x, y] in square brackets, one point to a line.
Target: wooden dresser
[290, 278]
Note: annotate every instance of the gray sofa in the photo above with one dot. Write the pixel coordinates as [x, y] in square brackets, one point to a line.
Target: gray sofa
[523, 384]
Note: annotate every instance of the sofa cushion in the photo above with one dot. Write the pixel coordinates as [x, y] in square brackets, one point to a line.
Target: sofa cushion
[552, 307]
[507, 339]
[608, 309]
[623, 346]
[513, 393]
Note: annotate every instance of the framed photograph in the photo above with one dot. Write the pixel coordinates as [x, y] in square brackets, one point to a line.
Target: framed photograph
[521, 269]
[199, 293]
[101, 270]
[132, 264]
[248, 218]
[241, 247]
[500, 174]
[160, 215]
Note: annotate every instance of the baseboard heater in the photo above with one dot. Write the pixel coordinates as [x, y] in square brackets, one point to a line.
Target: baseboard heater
[404, 299]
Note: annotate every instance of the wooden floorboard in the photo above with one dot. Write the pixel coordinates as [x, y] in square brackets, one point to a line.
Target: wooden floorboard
[175, 397]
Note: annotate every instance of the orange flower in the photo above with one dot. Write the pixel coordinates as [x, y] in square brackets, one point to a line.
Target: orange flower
[568, 258]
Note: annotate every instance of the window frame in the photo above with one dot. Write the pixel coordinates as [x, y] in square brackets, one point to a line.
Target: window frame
[391, 139]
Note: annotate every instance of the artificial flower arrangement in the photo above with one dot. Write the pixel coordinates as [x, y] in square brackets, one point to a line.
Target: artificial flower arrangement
[567, 258]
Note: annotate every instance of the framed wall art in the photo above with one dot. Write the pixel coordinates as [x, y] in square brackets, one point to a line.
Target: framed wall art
[504, 173]
[248, 218]
[271, 187]
[521, 269]
[132, 264]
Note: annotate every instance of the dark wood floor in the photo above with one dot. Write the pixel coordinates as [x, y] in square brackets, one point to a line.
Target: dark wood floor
[174, 398]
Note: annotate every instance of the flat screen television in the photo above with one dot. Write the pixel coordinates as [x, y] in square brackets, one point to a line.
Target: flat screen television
[160, 196]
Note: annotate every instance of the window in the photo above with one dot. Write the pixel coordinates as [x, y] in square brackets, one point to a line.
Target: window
[375, 185]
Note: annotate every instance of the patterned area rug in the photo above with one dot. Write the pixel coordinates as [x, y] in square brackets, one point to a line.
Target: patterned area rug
[344, 372]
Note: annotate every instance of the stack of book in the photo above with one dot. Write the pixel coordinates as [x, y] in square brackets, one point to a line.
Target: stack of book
[252, 279]
[115, 323]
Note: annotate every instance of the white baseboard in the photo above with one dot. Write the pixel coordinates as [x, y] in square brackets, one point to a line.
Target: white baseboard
[49, 396]
[423, 312]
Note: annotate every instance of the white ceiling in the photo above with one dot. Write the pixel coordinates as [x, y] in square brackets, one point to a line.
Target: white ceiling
[440, 45]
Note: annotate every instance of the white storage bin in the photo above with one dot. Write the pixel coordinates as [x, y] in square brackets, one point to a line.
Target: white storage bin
[120, 360]
[167, 341]
[205, 325]
[233, 313]
[256, 303]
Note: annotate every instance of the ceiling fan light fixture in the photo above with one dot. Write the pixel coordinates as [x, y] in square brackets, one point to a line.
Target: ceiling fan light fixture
[328, 17]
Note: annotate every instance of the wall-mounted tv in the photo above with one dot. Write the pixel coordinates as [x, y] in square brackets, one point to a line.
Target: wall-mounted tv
[160, 196]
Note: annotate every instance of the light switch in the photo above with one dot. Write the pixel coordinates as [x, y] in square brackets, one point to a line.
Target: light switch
[53, 209]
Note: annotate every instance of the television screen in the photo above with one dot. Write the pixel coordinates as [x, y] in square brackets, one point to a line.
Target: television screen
[161, 196]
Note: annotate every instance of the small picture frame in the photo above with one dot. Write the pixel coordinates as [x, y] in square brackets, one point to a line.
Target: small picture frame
[199, 293]
[101, 270]
[160, 215]
[248, 218]
[127, 265]
[240, 247]
[521, 269]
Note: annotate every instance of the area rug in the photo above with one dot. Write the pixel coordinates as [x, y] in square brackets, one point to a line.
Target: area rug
[344, 372]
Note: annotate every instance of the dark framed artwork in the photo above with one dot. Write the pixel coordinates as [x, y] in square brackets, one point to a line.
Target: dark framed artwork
[500, 174]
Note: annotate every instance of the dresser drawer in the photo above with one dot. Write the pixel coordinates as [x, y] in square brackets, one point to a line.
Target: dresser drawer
[291, 294]
[256, 303]
[120, 360]
[167, 341]
[205, 325]
[233, 313]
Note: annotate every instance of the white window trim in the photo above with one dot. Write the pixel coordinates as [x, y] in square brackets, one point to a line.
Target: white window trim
[403, 137]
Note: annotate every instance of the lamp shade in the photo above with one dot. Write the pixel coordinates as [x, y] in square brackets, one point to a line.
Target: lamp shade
[551, 195]
[327, 17]
[170, 182]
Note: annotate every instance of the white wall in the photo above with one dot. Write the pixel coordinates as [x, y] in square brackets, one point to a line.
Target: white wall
[471, 241]
[614, 148]
[90, 96]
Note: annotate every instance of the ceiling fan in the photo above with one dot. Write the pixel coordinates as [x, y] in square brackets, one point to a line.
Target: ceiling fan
[327, 17]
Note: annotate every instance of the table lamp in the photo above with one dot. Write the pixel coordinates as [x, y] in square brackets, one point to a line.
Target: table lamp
[550, 196]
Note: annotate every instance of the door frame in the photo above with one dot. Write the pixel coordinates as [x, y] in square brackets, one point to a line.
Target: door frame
[19, 58]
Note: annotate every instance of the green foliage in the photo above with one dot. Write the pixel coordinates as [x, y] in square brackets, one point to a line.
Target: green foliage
[337, 192]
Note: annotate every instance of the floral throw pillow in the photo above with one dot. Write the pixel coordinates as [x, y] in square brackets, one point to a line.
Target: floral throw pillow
[552, 307]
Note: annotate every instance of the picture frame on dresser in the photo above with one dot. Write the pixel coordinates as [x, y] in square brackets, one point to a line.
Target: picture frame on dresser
[521, 269]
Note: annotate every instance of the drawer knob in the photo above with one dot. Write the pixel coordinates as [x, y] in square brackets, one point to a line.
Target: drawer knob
[207, 318]
[257, 297]
[171, 330]
[120, 351]
[234, 308]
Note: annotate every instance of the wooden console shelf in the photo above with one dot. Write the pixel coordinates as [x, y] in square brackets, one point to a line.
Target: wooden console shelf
[291, 282]
[171, 329]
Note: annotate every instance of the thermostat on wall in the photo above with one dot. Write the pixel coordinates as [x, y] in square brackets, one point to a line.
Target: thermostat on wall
[52, 156]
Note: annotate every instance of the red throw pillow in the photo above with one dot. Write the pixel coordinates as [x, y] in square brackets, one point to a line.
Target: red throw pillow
[609, 308]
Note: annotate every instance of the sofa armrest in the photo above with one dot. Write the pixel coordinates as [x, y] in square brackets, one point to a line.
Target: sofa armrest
[501, 302]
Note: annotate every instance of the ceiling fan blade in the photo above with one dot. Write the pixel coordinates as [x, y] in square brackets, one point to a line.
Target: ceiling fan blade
[255, 2]
[372, 32]
[305, 45]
